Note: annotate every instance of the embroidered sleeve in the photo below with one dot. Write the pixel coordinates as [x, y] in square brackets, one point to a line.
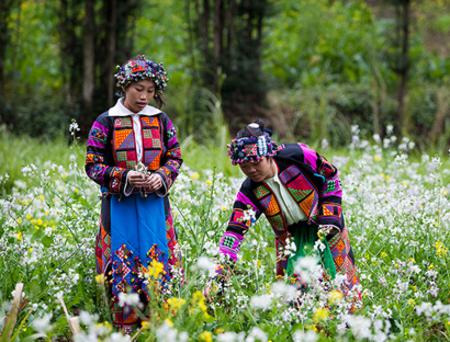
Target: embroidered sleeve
[109, 176]
[330, 192]
[244, 214]
[172, 158]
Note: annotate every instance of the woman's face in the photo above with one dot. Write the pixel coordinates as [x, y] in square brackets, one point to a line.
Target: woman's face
[139, 94]
[258, 171]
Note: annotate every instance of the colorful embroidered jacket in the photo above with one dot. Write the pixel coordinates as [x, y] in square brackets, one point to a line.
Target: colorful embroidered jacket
[313, 183]
[111, 150]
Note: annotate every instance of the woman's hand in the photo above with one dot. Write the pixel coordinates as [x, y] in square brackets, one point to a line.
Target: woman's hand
[136, 179]
[153, 183]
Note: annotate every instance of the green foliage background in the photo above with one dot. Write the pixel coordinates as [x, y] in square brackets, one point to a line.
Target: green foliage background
[327, 65]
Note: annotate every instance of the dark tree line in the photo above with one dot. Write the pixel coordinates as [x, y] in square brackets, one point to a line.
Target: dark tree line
[229, 37]
[5, 9]
[92, 45]
[224, 42]
[96, 35]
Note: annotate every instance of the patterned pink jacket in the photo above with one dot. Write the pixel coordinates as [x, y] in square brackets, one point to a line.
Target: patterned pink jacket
[314, 184]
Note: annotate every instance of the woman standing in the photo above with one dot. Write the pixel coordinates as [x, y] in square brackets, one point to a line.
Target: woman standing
[134, 155]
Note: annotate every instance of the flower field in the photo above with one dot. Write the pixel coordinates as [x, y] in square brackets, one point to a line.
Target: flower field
[397, 209]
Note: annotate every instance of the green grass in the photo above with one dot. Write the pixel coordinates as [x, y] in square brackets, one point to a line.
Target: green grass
[19, 151]
[396, 206]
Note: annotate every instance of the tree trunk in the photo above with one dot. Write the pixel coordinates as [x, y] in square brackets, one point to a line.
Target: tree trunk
[89, 57]
[243, 91]
[5, 10]
[71, 53]
[111, 48]
[125, 27]
[443, 111]
[233, 49]
[403, 68]
[218, 32]
[113, 44]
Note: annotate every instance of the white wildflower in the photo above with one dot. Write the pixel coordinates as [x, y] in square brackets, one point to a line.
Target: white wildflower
[230, 337]
[309, 269]
[206, 265]
[360, 326]
[256, 334]
[262, 302]
[308, 336]
[42, 325]
[131, 299]
[284, 291]
[118, 337]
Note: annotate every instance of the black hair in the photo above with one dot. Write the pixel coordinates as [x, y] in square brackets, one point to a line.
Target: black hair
[254, 129]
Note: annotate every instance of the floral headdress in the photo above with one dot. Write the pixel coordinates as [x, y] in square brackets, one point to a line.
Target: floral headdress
[253, 148]
[141, 68]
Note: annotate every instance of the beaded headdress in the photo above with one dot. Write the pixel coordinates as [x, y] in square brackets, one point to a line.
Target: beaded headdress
[141, 68]
[253, 148]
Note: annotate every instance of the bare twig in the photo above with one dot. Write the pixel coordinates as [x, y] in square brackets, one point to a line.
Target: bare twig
[11, 319]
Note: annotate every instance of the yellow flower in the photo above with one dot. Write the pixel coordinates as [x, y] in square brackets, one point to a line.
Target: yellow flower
[30, 250]
[205, 336]
[219, 331]
[198, 301]
[156, 268]
[311, 327]
[24, 202]
[19, 220]
[321, 314]
[175, 303]
[197, 296]
[430, 267]
[100, 279]
[41, 197]
[34, 223]
[39, 222]
[28, 217]
[195, 176]
[145, 325]
[168, 322]
[377, 158]
[441, 250]
[383, 254]
[209, 182]
[411, 302]
[105, 325]
[412, 260]
[335, 296]
[19, 236]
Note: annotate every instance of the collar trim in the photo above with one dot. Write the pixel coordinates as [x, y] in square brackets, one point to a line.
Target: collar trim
[120, 110]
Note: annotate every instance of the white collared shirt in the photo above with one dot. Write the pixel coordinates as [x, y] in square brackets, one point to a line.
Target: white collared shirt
[120, 110]
[288, 205]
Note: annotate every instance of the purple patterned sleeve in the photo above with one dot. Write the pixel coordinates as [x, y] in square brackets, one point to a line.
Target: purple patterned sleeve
[172, 158]
[229, 245]
[110, 176]
[330, 194]
[244, 214]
